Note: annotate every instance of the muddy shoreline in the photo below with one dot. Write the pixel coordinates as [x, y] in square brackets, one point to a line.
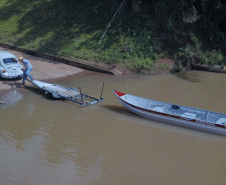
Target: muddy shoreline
[43, 69]
[16, 86]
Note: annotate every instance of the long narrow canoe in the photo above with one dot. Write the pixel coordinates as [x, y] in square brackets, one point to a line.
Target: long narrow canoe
[175, 114]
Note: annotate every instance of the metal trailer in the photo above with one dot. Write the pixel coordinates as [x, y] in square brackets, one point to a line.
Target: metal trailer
[55, 91]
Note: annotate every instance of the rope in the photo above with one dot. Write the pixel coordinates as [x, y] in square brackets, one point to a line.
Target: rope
[111, 21]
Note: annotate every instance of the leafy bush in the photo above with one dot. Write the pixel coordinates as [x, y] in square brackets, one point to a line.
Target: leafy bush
[141, 65]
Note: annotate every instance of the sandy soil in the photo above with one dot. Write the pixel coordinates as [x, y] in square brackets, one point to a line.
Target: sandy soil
[42, 70]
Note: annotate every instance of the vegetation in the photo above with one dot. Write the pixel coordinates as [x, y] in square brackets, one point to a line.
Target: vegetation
[145, 36]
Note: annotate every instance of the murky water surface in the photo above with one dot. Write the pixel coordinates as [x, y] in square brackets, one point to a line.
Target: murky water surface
[58, 142]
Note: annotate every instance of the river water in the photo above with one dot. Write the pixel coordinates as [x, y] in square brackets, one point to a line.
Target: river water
[59, 143]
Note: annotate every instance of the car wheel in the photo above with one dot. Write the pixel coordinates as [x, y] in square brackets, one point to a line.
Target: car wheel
[50, 96]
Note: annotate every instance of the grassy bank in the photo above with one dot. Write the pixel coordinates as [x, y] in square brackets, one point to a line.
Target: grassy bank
[73, 28]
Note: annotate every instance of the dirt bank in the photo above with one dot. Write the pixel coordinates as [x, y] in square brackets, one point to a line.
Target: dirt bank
[43, 70]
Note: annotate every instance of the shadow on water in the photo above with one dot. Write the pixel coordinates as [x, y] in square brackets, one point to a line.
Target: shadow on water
[17, 84]
[35, 90]
[120, 110]
[117, 109]
[12, 83]
[189, 76]
[42, 93]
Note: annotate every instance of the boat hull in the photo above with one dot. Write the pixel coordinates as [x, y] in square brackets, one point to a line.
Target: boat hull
[172, 120]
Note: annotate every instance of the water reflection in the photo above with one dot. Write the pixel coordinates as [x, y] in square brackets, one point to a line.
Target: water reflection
[10, 97]
[190, 76]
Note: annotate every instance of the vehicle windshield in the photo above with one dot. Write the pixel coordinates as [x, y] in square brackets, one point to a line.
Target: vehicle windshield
[9, 60]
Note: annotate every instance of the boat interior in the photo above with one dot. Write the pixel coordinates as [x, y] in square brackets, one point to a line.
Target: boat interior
[178, 110]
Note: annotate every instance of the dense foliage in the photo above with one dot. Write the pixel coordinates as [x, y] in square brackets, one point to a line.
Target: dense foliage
[141, 35]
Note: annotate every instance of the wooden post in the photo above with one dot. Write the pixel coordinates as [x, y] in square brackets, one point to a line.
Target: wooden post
[102, 91]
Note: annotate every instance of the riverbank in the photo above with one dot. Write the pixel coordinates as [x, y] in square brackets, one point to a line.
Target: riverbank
[43, 70]
[139, 40]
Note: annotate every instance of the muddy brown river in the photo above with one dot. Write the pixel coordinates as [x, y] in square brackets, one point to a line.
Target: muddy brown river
[45, 142]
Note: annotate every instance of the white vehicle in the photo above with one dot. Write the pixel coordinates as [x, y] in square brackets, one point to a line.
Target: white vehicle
[9, 66]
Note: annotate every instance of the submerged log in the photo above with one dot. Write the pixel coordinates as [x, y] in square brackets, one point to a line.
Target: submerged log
[210, 68]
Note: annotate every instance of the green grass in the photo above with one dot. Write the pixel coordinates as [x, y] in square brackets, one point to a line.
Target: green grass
[73, 28]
